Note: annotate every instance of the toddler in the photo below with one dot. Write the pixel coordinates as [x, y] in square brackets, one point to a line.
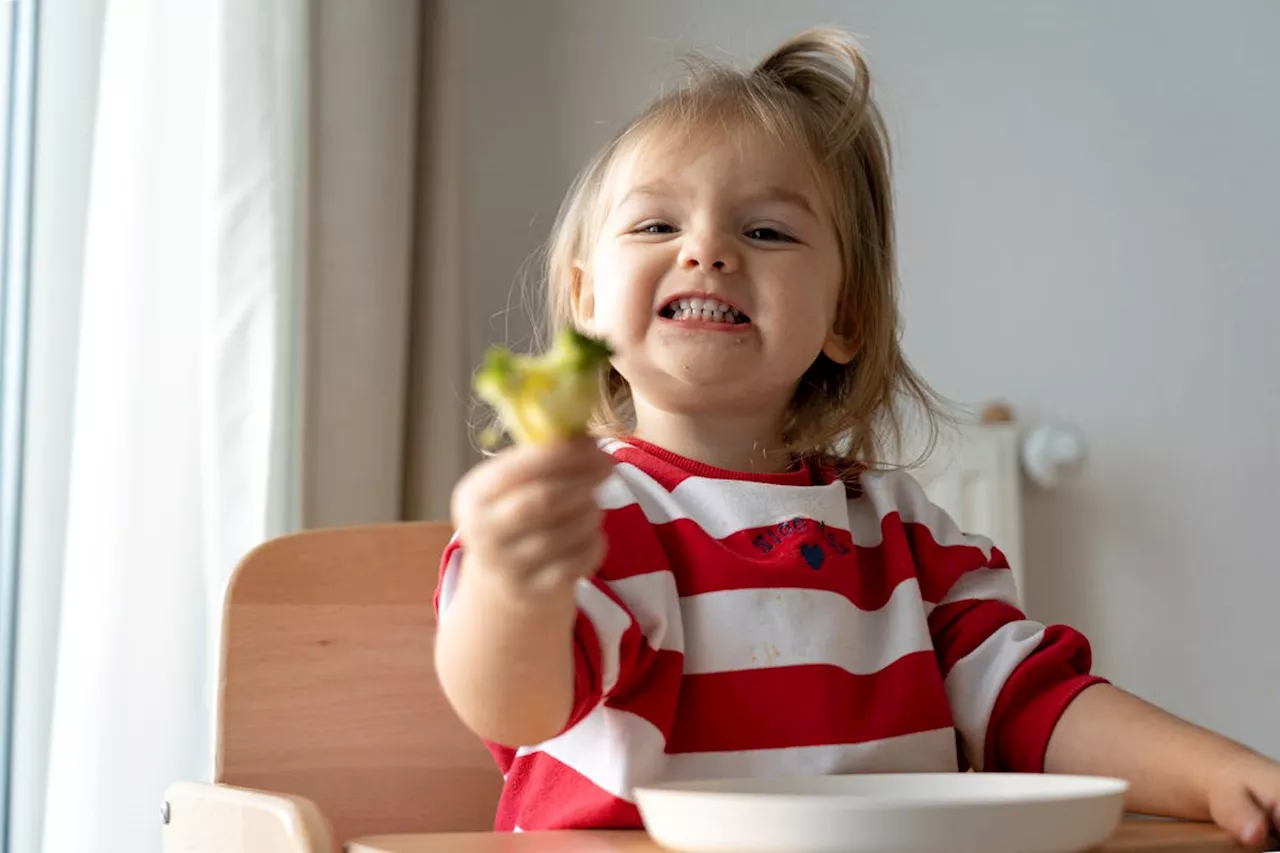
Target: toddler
[727, 579]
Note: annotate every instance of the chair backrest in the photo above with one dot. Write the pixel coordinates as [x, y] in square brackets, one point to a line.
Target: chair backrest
[328, 690]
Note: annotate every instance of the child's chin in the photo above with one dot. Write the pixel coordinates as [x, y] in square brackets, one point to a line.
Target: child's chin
[696, 387]
[710, 371]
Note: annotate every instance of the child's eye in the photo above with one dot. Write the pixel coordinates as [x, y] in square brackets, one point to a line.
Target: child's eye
[655, 228]
[770, 235]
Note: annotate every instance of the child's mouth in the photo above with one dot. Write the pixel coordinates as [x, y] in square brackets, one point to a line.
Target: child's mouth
[700, 309]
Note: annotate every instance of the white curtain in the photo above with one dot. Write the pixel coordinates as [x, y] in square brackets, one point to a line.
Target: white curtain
[184, 409]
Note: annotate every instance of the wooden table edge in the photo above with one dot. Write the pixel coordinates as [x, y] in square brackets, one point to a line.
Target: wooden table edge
[1135, 835]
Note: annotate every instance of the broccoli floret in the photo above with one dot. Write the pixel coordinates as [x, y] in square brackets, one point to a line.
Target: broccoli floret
[548, 397]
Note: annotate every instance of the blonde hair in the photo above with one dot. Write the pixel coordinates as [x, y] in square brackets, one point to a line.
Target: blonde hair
[812, 92]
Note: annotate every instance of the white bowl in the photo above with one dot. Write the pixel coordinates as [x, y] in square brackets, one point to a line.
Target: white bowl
[885, 813]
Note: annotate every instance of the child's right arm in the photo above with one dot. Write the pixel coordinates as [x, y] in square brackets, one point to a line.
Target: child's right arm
[530, 528]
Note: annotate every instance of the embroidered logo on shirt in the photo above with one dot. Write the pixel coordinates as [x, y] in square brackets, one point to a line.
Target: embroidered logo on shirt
[771, 538]
[813, 555]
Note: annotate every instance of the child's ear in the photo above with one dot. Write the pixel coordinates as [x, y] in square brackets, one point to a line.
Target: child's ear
[582, 299]
[839, 348]
[842, 343]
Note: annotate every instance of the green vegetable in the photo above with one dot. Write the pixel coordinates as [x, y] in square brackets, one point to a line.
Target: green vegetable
[548, 397]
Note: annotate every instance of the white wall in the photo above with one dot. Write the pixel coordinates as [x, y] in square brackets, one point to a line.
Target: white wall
[1088, 221]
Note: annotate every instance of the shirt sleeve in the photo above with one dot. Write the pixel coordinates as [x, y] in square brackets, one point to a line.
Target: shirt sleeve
[608, 644]
[1007, 678]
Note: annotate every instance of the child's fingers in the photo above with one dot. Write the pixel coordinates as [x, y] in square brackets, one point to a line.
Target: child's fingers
[544, 505]
[536, 549]
[579, 457]
[1241, 815]
[582, 561]
[499, 492]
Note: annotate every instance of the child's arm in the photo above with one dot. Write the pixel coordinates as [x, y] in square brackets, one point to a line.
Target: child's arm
[1174, 768]
[530, 527]
[508, 668]
[1023, 700]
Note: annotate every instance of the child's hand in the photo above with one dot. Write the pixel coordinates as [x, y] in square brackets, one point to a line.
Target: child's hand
[529, 520]
[1244, 798]
[1175, 769]
[530, 528]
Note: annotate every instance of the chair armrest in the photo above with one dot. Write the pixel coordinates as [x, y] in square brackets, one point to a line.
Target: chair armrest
[204, 818]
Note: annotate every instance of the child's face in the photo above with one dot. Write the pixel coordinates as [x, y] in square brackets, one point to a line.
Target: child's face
[732, 220]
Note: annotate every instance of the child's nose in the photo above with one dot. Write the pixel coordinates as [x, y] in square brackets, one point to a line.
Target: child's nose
[709, 253]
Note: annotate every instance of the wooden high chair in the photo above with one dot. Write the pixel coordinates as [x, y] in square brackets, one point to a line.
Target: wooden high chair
[330, 722]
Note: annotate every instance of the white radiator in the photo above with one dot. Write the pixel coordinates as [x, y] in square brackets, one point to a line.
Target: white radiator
[978, 476]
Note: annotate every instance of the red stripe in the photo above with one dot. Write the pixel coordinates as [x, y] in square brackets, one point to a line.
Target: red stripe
[653, 690]
[542, 793]
[633, 547]
[670, 470]
[648, 679]
[762, 558]
[1033, 699]
[663, 473]
[444, 565]
[587, 666]
[959, 628]
[754, 709]
[770, 557]
[503, 756]
[634, 652]
[939, 566]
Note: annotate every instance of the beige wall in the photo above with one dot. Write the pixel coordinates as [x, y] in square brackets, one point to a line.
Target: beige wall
[356, 293]
[512, 65]
[384, 402]
[1088, 223]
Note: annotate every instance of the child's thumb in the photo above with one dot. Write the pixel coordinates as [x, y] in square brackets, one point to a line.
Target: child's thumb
[1237, 812]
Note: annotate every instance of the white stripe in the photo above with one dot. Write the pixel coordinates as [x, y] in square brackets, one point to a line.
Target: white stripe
[723, 507]
[610, 622]
[611, 445]
[884, 492]
[975, 681]
[984, 585]
[449, 583]
[616, 750]
[614, 493]
[742, 629]
[654, 602]
[933, 751]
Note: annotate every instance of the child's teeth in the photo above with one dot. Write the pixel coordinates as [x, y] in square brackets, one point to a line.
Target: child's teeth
[706, 310]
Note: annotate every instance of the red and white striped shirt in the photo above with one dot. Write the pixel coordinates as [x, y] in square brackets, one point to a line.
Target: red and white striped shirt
[786, 624]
